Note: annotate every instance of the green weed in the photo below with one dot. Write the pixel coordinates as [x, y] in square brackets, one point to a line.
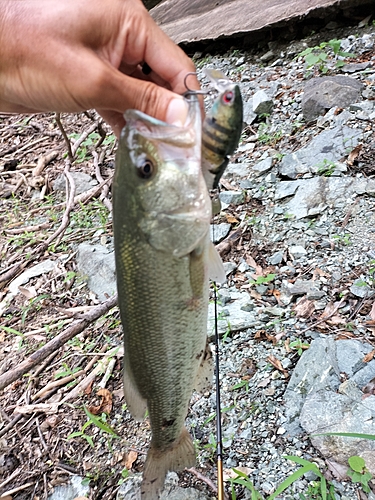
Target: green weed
[319, 55]
[326, 168]
[261, 280]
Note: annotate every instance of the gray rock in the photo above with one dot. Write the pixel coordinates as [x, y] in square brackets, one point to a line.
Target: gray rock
[350, 356]
[235, 197]
[238, 170]
[131, 490]
[354, 67]
[238, 314]
[97, 264]
[326, 411]
[262, 166]
[83, 182]
[229, 267]
[70, 491]
[276, 258]
[322, 93]
[318, 403]
[249, 116]
[262, 104]
[361, 289]
[310, 376]
[301, 287]
[296, 252]
[219, 231]
[267, 56]
[328, 146]
[312, 196]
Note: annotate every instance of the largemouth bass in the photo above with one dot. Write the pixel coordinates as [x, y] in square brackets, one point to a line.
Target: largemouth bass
[161, 218]
[221, 128]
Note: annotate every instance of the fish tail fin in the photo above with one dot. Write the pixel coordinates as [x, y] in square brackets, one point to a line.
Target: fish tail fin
[180, 455]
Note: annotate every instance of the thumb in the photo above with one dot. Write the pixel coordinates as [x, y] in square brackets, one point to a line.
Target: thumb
[130, 93]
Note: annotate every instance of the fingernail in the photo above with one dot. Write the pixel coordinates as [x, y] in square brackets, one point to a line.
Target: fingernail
[177, 112]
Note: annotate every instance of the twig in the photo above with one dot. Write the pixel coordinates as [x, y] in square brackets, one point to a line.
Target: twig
[349, 214]
[65, 380]
[205, 479]
[83, 137]
[14, 490]
[10, 478]
[26, 229]
[100, 179]
[108, 373]
[101, 366]
[76, 327]
[44, 444]
[66, 138]
[43, 162]
[16, 148]
[69, 207]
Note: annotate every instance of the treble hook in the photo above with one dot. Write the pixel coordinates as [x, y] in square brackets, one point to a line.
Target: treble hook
[190, 91]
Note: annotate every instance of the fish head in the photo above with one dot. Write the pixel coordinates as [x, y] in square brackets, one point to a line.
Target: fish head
[161, 167]
[228, 109]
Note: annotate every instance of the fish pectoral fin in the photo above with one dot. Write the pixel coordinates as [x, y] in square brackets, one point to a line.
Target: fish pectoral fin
[205, 373]
[136, 404]
[179, 455]
[216, 270]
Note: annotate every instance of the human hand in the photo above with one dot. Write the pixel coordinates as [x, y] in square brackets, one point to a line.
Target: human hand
[74, 55]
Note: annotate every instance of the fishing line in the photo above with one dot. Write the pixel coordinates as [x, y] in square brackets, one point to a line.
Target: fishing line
[219, 444]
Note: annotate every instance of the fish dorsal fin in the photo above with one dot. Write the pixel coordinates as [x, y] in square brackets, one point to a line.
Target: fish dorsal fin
[216, 271]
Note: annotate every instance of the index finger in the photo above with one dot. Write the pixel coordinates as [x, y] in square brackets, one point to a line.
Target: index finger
[168, 60]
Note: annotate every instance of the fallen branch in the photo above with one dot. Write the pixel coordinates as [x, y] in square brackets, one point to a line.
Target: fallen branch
[54, 344]
[64, 134]
[43, 162]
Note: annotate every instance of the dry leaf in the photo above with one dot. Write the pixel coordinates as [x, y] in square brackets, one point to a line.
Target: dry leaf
[336, 320]
[130, 459]
[353, 155]
[253, 264]
[230, 474]
[29, 293]
[231, 219]
[105, 404]
[370, 387]
[88, 389]
[260, 335]
[372, 312]
[318, 272]
[328, 311]
[277, 364]
[338, 470]
[304, 308]
[369, 356]
[264, 382]
[255, 295]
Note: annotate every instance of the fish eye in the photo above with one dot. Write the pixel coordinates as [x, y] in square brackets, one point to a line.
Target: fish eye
[228, 97]
[145, 169]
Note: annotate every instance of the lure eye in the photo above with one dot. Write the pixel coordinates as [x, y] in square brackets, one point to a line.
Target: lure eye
[228, 97]
[145, 169]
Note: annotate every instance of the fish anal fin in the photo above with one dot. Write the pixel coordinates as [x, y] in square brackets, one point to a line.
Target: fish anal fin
[136, 404]
[216, 270]
[203, 379]
[158, 462]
